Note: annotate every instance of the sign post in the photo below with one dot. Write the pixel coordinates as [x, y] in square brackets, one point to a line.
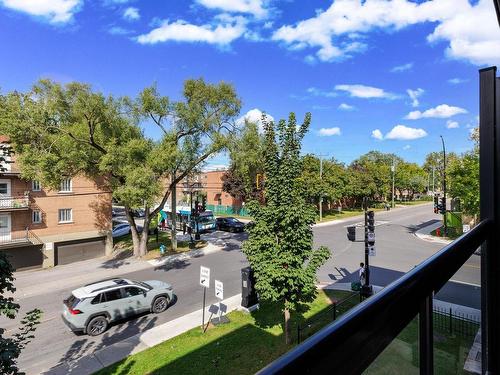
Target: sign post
[205, 283]
[219, 293]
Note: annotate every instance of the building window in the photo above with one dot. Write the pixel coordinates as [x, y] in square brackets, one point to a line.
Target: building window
[37, 217]
[66, 185]
[65, 215]
[36, 186]
[4, 188]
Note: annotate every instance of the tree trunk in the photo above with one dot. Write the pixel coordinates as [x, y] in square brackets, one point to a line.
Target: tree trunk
[288, 338]
[173, 210]
[143, 243]
[136, 242]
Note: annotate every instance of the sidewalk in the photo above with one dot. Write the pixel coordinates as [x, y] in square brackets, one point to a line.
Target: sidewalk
[142, 341]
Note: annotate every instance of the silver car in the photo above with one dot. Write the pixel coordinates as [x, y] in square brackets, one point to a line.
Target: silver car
[91, 308]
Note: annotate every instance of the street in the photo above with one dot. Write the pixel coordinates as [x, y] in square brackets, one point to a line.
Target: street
[398, 250]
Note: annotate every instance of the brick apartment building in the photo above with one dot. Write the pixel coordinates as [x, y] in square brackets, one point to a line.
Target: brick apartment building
[212, 184]
[43, 228]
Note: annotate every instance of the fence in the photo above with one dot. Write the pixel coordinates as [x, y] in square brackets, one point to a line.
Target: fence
[227, 210]
[455, 324]
[326, 316]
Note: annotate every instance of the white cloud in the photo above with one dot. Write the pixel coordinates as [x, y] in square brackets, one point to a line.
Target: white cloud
[255, 7]
[346, 107]
[406, 147]
[401, 132]
[414, 94]
[221, 34]
[215, 167]
[55, 11]
[131, 14]
[457, 81]
[318, 92]
[328, 132]
[366, 92]
[469, 30]
[117, 30]
[377, 134]
[441, 111]
[452, 124]
[255, 116]
[402, 68]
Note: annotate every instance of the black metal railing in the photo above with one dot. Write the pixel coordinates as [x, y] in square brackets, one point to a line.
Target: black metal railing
[365, 331]
[25, 236]
[455, 323]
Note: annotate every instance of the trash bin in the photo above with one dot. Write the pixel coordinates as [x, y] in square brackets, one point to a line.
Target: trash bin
[248, 294]
[355, 286]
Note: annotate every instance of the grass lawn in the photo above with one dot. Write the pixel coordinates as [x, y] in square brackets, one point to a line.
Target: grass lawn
[243, 346]
[124, 245]
[412, 203]
[401, 356]
[452, 233]
[334, 215]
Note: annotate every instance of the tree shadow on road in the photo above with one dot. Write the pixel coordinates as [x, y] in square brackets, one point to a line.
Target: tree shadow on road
[173, 264]
[77, 356]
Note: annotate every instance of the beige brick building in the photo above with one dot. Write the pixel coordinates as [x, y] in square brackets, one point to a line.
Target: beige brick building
[40, 227]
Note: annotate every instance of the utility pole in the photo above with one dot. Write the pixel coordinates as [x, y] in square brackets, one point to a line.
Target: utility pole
[433, 178]
[444, 187]
[321, 192]
[393, 169]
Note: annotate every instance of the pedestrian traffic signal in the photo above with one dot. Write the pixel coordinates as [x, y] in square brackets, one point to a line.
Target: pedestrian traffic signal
[371, 221]
[351, 233]
[436, 204]
[442, 206]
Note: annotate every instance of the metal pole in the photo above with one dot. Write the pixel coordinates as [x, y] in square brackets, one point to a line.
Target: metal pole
[489, 171]
[203, 313]
[393, 169]
[367, 265]
[426, 339]
[433, 178]
[444, 187]
[321, 191]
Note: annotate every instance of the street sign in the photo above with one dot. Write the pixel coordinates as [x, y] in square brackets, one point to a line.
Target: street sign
[219, 289]
[372, 251]
[465, 228]
[205, 277]
[371, 237]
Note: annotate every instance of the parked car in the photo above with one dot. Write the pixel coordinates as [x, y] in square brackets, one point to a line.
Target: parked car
[229, 224]
[139, 213]
[90, 309]
[123, 229]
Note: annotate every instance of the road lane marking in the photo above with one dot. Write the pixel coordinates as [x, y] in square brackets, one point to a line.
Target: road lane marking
[465, 283]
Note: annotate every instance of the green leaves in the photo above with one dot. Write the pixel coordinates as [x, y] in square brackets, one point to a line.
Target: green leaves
[280, 244]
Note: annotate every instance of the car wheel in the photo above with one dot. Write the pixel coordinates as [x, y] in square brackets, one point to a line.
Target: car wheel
[160, 304]
[97, 326]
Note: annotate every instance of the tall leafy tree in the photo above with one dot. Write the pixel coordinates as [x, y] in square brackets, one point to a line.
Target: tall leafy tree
[62, 131]
[280, 244]
[11, 347]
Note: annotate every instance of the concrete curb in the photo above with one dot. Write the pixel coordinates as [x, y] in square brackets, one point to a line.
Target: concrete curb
[424, 234]
[209, 249]
[137, 343]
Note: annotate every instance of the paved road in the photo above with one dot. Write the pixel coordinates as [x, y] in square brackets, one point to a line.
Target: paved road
[398, 250]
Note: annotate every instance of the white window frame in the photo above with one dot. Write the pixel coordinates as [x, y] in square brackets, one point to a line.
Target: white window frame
[68, 220]
[69, 181]
[36, 185]
[39, 220]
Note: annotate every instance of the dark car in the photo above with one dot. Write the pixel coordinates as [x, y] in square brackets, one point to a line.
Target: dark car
[229, 224]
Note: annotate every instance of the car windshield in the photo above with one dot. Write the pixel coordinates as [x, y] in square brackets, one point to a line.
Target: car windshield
[147, 286]
[232, 220]
[71, 301]
[206, 219]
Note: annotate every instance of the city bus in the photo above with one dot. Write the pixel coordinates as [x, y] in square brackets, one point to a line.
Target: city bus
[206, 220]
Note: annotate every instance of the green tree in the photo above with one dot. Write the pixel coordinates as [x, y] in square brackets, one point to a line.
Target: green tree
[11, 347]
[62, 131]
[246, 155]
[280, 244]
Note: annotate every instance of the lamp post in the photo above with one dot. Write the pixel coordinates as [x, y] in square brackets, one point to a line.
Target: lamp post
[393, 169]
[444, 186]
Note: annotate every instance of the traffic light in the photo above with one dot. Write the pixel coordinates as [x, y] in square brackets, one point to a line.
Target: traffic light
[351, 233]
[203, 203]
[436, 204]
[442, 207]
[371, 221]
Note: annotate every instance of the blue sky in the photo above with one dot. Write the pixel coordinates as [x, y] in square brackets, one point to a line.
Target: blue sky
[377, 74]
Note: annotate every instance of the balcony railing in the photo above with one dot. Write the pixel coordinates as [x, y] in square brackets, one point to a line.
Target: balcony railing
[24, 237]
[14, 203]
[353, 342]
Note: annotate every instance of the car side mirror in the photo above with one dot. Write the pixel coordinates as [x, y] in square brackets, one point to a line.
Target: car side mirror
[144, 294]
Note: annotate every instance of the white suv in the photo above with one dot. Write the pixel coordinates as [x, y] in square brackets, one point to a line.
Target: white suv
[91, 308]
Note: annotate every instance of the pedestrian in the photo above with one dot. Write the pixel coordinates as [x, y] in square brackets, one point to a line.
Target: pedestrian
[184, 228]
[362, 274]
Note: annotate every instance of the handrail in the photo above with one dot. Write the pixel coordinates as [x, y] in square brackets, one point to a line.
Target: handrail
[351, 344]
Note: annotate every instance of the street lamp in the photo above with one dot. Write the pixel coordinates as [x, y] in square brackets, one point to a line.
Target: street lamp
[393, 170]
[444, 186]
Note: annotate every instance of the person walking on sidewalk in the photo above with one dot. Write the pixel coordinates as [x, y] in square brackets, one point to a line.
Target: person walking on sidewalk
[362, 274]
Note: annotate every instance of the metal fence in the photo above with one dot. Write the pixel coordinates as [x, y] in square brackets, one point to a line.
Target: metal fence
[453, 323]
[326, 316]
[14, 202]
[227, 210]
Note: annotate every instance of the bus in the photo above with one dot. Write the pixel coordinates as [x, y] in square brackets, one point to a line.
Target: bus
[206, 220]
